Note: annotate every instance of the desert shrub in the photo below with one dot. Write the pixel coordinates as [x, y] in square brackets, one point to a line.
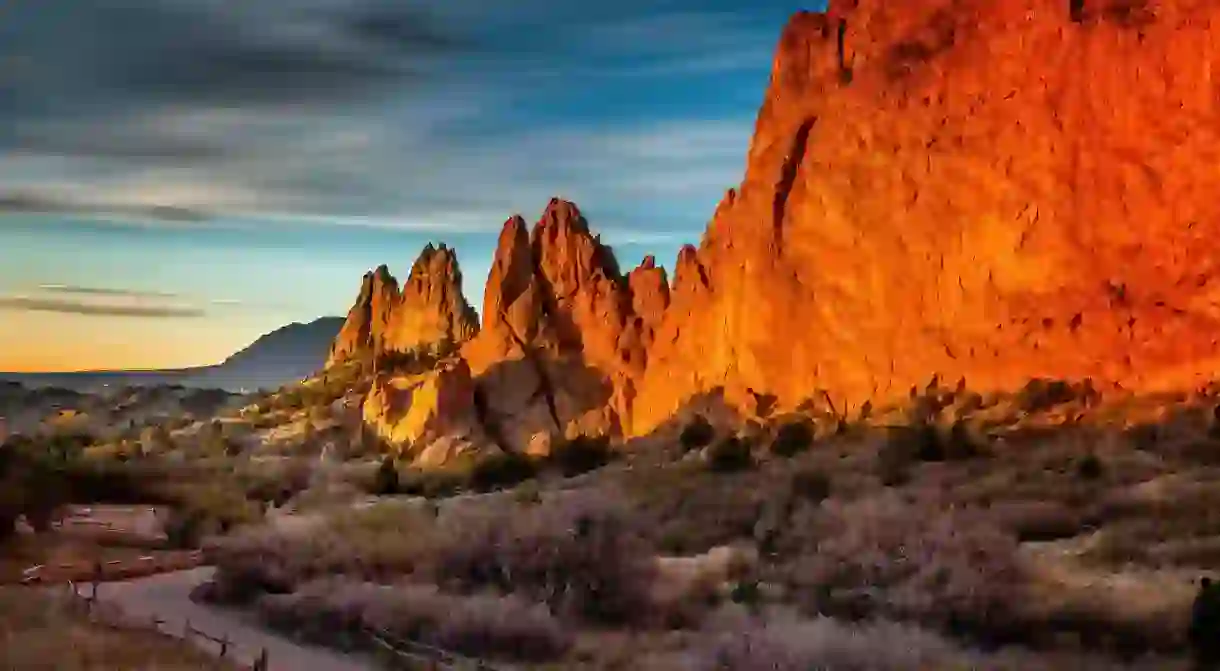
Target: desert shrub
[729, 455]
[1038, 521]
[581, 454]
[581, 556]
[825, 643]
[810, 484]
[1090, 468]
[1041, 395]
[889, 556]
[376, 543]
[792, 438]
[698, 434]
[688, 510]
[385, 480]
[896, 457]
[502, 469]
[434, 484]
[333, 611]
[31, 484]
[1144, 437]
[206, 511]
[528, 493]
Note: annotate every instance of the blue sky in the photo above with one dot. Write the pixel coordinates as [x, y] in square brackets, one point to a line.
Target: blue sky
[320, 138]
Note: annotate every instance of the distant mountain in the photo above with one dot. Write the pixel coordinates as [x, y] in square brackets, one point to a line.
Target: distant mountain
[285, 355]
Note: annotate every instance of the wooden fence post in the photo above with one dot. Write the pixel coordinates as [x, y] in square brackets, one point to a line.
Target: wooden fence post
[97, 577]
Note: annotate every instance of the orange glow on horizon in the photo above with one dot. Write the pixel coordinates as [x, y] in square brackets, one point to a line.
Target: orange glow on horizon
[55, 343]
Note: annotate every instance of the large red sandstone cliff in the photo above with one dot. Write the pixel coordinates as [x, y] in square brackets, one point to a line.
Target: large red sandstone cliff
[988, 189]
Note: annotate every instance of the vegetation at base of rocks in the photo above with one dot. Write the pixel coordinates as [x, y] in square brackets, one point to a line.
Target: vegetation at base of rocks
[579, 455]
[810, 484]
[500, 470]
[386, 481]
[793, 438]
[493, 471]
[730, 454]
[697, 434]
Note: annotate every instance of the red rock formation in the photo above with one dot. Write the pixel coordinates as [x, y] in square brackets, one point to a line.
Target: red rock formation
[987, 189]
[560, 344]
[364, 329]
[429, 311]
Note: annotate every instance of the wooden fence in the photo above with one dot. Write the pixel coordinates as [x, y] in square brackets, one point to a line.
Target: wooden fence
[87, 599]
[390, 650]
[400, 653]
[115, 569]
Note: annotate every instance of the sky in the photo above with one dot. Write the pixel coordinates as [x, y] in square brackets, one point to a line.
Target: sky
[312, 140]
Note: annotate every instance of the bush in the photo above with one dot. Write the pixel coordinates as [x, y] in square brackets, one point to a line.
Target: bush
[368, 544]
[434, 484]
[503, 469]
[793, 438]
[698, 434]
[385, 481]
[730, 455]
[580, 556]
[824, 643]
[333, 611]
[1040, 395]
[893, 557]
[1090, 468]
[581, 455]
[811, 485]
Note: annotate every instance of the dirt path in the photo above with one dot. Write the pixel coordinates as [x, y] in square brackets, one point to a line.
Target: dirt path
[166, 596]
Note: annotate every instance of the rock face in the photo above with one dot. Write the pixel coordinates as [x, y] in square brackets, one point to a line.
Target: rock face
[981, 189]
[562, 342]
[429, 310]
[431, 416]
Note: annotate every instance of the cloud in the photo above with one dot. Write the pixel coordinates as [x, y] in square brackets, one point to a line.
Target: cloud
[30, 304]
[103, 291]
[392, 113]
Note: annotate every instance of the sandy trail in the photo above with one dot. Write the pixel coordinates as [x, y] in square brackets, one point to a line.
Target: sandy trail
[167, 596]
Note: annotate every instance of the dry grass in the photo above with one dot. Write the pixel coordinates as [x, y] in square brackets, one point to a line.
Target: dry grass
[334, 612]
[41, 632]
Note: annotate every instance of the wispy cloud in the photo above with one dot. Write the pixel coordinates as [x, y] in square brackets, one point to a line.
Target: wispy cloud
[31, 304]
[103, 291]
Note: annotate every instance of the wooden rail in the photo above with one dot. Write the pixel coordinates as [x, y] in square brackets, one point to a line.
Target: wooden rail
[422, 656]
[90, 603]
[114, 569]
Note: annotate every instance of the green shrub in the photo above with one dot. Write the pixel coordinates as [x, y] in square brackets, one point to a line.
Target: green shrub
[793, 438]
[1090, 468]
[503, 469]
[385, 481]
[730, 455]
[434, 484]
[810, 484]
[581, 455]
[698, 434]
